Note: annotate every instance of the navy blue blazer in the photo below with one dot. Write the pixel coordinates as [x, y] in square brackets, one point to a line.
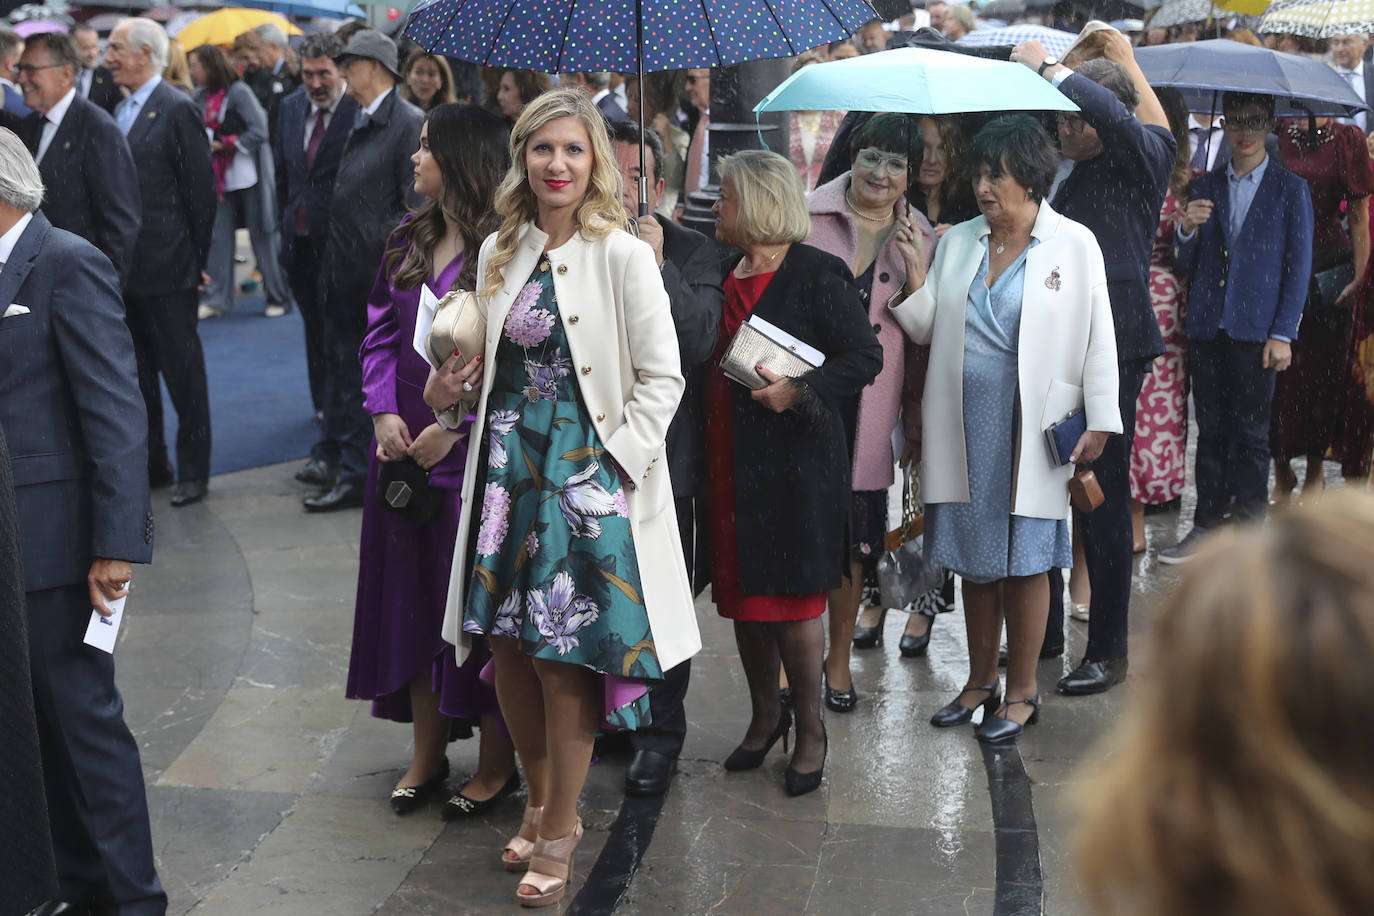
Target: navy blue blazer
[177, 187]
[71, 410]
[1118, 196]
[14, 102]
[296, 182]
[90, 182]
[1253, 287]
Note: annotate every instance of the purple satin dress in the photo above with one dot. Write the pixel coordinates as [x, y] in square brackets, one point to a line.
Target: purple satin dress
[403, 570]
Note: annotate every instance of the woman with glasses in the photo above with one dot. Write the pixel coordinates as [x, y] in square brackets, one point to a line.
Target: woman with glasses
[1334, 160]
[1015, 309]
[855, 218]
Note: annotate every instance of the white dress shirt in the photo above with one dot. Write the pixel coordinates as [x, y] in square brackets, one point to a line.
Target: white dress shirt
[11, 238]
[51, 121]
[1213, 141]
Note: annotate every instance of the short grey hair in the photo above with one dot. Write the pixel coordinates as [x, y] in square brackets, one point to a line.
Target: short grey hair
[272, 34]
[964, 16]
[144, 33]
[20, 185]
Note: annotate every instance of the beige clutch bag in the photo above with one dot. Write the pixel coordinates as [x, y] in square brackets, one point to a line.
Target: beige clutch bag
[458, 325]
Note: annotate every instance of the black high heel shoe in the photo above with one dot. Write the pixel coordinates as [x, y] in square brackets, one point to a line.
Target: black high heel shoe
[870, 637]
[957, 714]
[840, 700]
[1000, 730]
[802, 783]
[743, 759]
[915, 646]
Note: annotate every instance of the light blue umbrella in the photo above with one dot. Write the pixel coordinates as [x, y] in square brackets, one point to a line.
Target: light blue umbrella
[915, 81]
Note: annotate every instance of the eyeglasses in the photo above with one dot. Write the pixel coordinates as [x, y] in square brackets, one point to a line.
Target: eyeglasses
[1256, 124]
[876, 161]
[21, 69]
[1070, 122]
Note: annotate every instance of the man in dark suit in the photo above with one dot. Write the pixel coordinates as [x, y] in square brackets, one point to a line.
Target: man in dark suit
[312, 127]
[1122, 154]
[372, 190]
[1246, 241]
[72, 414]
[90, 181]
[177, 188]
[597, 85]
[690, 263]
[1348, 58]
[270, 78]
[94, 82]
[11, 46]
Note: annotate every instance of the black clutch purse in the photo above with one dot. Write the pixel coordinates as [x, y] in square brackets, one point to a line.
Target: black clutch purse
[403, 487]
[1327, 284]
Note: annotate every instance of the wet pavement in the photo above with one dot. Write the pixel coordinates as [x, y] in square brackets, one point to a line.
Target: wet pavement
[268, 789]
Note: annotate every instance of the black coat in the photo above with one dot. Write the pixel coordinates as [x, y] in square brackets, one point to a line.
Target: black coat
[90, 182]
[104, 93]
[792, 470]
[27, 875]
[177, 187]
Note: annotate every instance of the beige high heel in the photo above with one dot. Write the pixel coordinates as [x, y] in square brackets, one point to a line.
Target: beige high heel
[516, 854]
[551, 869]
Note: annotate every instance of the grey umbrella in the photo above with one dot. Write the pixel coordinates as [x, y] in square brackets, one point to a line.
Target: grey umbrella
[1180, 12]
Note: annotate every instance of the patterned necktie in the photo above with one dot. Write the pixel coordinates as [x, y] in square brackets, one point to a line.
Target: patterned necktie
[312, 150]
[1201, 136]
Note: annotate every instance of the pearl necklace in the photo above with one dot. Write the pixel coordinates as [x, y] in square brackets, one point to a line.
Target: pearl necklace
[862, 215]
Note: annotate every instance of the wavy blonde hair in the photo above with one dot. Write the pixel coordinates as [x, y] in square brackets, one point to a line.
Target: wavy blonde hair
[600, 211]
[1238, 782]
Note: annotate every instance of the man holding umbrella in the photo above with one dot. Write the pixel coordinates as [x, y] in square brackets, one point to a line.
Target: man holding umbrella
[1120, 153]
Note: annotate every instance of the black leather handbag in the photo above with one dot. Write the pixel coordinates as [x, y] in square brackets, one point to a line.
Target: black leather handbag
[403, 487]
[1327, 284]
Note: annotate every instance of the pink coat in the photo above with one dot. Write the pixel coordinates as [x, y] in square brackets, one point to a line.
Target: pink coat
[896, 392]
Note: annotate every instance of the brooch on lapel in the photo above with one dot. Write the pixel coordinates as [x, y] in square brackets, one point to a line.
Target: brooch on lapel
[1052, 281]
[151, 115]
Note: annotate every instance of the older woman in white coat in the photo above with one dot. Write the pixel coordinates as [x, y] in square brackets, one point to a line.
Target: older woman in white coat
[576, 571]
[1015, 308]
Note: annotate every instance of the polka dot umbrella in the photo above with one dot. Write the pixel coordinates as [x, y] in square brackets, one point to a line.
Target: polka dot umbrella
[624, 36]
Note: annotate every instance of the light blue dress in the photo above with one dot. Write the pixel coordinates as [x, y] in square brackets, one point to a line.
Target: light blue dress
[981, 540]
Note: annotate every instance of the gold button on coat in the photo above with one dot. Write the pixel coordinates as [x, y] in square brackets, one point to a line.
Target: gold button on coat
[600, 417]
[586, 370]
[572, 319]
[562, 268]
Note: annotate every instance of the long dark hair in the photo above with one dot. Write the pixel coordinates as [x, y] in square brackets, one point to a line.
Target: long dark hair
[1171, 100]
[472, 149]
[219, 73]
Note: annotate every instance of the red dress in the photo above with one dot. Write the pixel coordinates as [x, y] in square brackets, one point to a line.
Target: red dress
[1306, 416]
[741, 295]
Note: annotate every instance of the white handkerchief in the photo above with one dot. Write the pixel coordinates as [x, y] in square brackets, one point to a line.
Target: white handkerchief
[102, 631]
[424, 321]
[16, 310]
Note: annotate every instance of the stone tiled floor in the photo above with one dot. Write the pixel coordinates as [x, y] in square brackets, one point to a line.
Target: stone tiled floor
[268, 788]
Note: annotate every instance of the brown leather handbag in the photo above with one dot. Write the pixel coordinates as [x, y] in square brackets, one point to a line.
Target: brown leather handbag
[1084, 491]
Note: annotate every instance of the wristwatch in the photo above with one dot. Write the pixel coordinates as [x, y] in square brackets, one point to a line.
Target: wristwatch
[1046, 64]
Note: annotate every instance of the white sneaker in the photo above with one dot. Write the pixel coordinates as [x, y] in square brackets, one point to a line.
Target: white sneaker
[208, 311]
[274, 311]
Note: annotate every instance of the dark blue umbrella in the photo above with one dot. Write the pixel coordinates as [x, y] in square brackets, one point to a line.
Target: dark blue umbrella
[1203, 69]
[624, 36]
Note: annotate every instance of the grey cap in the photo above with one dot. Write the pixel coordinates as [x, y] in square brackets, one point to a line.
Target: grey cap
[373, 45]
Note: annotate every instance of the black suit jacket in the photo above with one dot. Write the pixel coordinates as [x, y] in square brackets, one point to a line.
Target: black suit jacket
[1118, 195]
[71, 410]
[104, 93]
[611, 109]
[314, 184]
[691, 275]
[177, 187]
[90, 182]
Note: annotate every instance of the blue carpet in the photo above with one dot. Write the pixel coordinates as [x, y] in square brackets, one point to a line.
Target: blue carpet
[260, 411]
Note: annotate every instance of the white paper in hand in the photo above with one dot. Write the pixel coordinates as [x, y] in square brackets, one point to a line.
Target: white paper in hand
[102, 631]
[424, 321]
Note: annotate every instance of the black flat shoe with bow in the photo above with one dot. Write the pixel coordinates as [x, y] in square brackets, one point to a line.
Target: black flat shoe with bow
[407, 799]
[460, 806]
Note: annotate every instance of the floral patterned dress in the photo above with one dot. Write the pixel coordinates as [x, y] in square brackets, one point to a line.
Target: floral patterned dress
[556, 565]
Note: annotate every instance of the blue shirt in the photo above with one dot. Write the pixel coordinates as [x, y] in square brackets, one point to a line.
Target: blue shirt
[1243, 194]
[127, 112]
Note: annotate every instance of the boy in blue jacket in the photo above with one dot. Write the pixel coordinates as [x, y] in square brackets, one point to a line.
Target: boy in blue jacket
[1246, 241]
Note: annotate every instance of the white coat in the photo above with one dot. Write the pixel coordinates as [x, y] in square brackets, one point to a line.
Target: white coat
[1066, 357]
[616, 316]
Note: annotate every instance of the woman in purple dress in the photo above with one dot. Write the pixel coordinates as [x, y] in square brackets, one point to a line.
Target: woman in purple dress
[399, 658]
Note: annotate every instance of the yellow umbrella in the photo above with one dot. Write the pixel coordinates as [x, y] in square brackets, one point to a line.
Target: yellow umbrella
[222, 26]
[1244, 7]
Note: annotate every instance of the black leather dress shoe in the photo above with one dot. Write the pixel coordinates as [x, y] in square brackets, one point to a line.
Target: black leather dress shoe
[60, 908]
[318, 473]
[649, 773]
[1093, 677]
[342, 496]
[187, 492]
[1046, 651]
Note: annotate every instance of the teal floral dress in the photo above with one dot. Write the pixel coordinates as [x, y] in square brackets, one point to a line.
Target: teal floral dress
[556, 565]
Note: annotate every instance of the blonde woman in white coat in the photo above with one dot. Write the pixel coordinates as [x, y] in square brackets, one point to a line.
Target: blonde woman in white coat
[575, 570]
[1016, 311]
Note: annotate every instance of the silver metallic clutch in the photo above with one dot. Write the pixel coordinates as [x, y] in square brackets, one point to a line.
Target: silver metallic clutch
[759, 343]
